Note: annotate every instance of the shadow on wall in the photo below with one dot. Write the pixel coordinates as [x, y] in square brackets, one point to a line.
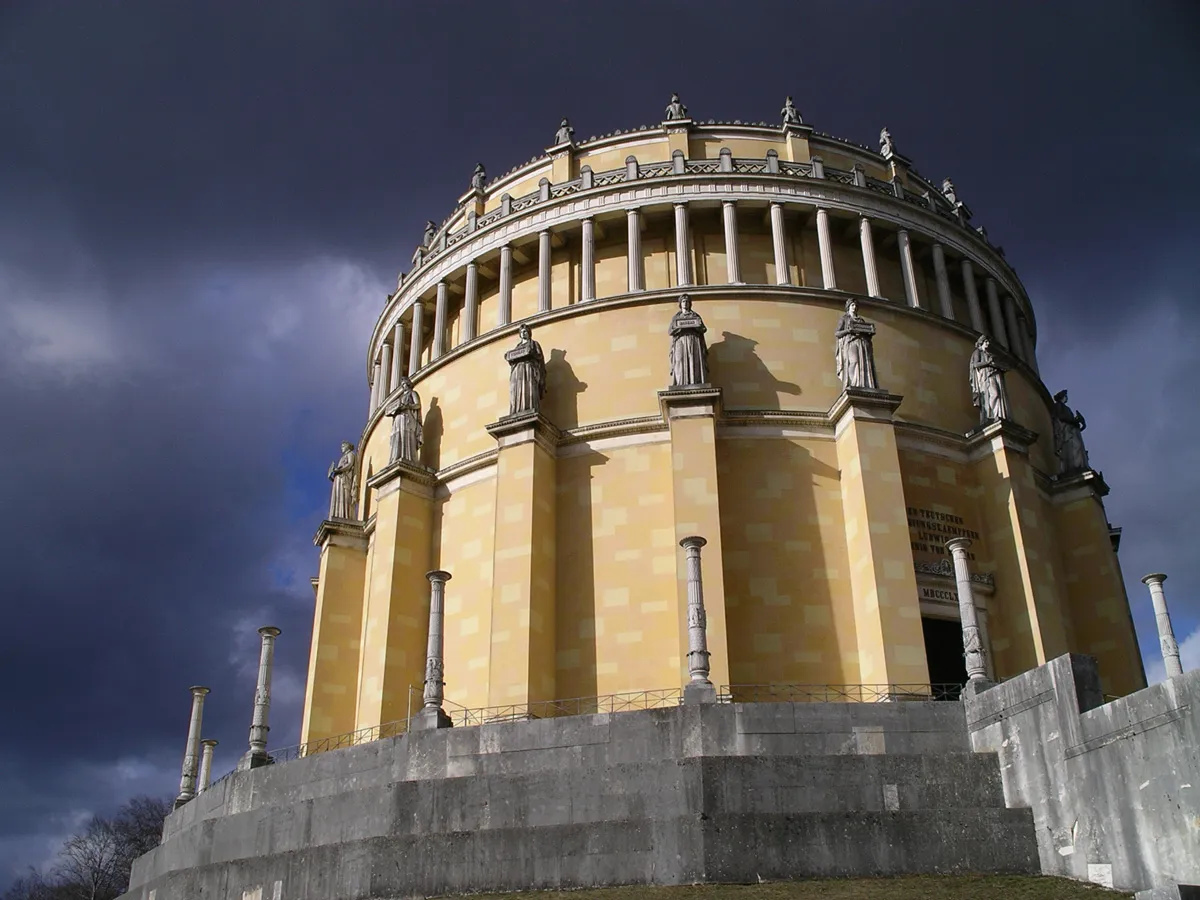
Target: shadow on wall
[736, 368]
[431, 447]
[563, 387]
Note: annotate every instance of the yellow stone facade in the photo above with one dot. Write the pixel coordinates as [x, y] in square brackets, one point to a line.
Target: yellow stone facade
[825, 513]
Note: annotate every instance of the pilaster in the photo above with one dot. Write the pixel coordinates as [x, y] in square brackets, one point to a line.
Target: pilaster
[691, 414]
[396, 608]
[795, 137]
[333, 659]
[883, 582]
[522, 660]
[677, 135]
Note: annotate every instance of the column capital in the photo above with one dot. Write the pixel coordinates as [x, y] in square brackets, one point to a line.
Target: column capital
[958, 545]
[210, 742]
[438, 576]
[199, 690]
[1154, 578]
[269, 631]
[696, 541]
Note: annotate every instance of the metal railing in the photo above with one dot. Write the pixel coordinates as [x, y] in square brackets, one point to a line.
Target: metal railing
[337, 741]
[837, 693]
[575, 706]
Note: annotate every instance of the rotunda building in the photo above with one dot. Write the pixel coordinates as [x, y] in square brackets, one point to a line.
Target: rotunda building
[824, 456]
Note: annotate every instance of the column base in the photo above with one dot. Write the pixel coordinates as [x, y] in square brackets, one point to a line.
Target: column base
[430, 720]
[696, 693]
[255, 760]
[180, 801]
[976, 687]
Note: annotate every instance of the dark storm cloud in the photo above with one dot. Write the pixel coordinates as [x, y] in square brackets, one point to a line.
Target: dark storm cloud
[202, 207]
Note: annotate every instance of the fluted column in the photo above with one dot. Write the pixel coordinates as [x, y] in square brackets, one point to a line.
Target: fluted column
[826, 246]
[943, 282]
[968, 274]
[397, 357]
[187, 777]
[385, 371]
[683, 246]
[259, 723]
[206, 758]
[633, 224]
[504, 304]
[995, 317]
[587, 275]
[544, 271]
[868, 254]
[973, 652]
[906, 269]
[733, 266]
[1009, 305]
[441, 312]
[418, 332]
[1162, 618]
[470, 304]
[779, 243]
[432, 715]
[699, 689]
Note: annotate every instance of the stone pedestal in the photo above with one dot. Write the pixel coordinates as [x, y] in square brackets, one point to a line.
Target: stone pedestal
[430, 719]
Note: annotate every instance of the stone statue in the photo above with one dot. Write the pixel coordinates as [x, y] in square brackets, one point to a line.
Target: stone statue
[527, 374]
[478, 178]
[399, 282]
[344, 475]
[675, 109]
[430, 231]
[885, 143]
[406, 424]
[565, 133]
[948, 191]
[854, 354]
[987, 383]
[1068, 437]
[791, 115]
[689, 353]
[418, 257]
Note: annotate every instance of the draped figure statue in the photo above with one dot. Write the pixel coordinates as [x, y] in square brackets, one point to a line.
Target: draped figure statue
[689, 353]
[527, 375]
[1068, 436]
[987, 383]
[406, 424]
[854, 353]
[343, 472]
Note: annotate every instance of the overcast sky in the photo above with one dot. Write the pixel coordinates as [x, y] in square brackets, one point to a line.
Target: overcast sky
[203, 206]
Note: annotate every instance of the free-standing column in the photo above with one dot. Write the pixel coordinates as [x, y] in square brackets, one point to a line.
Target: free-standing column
[779, 243]
[827, 276]
[257, 754]
[633, 223]
[418, 337]
[868, 252]
[544, 271]
[440, 314]
[397, 357]
[385, 372]
[587, 275]
[470, 304]
[907, 270]
[504, 306]
[995, 318]
[376, 388]
[206, 756]
[433, 716]
[1009, 305]
[733, 266]
[973, 651]
[699, 688]
[191, 758]
[1162, 618]
[683, 246]
[973, 309]
[943, 282]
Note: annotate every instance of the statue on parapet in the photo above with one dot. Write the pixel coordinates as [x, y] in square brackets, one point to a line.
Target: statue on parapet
[854, 353]
[948, 192]
[526, 375]
[987, 383]
[478, 177]
[675, 109]
[1068, 437]
[565, 133]
[430, 231]
[886, 148]
[689, 352]
[343, 472]
[406, 435]
[791, 115]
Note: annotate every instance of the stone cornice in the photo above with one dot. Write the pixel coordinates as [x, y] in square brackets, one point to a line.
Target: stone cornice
[340, 533]
[987, 439]
[871, 406]
[1063, 489]
[513, 430]
[404, 476]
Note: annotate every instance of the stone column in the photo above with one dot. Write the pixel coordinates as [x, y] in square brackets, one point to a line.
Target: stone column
[1009, 305]
[470, 304]
[433, 716]
[397, 357]
[973, 651]
[633, 223]
[943, 282]
[544, 271]
[418, 337]
[206, 756]
[441, 311]
[385, 372]
[683, 246]
[257, 754]
[733, 265]
[868, 253]
[906, 269]
[699, 689]
[995, 318]
[779, 243]
[504, 301]
[376, 389]
[191, 759]
[973, 309]
[587, 275]
[1162, 618]
[827, 276]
